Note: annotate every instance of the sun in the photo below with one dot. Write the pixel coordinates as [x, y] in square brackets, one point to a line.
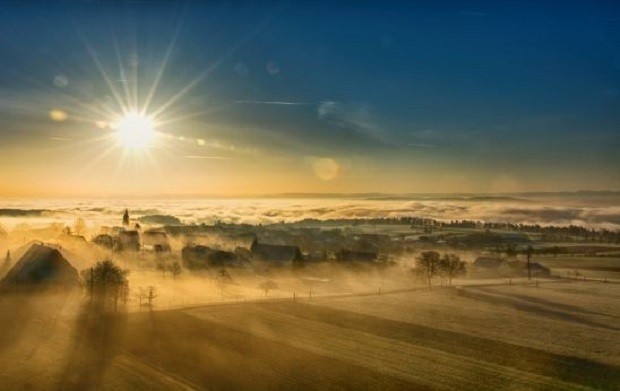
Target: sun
[135, 131]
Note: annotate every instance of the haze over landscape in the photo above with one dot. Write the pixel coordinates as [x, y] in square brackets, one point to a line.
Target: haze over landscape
[309, 195]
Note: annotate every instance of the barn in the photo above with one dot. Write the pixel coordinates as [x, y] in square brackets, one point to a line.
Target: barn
[41, 265]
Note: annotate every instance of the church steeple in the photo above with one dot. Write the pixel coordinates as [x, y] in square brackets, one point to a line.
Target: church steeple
[126, 218]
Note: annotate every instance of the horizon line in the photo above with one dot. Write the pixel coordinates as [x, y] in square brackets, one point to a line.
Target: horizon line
[320, 195]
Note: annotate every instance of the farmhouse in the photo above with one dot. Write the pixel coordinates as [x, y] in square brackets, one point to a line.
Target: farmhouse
[114, 231]
[519, 268]
[156, 241]
[104, 240]
[129, 240]
[233, 242]
[275, 253]
[491, 267]
[196, 256]
[41, 265]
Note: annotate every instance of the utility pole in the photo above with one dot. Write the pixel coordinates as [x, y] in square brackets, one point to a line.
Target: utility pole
[92, 282]
[529, 269]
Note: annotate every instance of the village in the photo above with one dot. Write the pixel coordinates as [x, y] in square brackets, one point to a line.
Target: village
[482, 252]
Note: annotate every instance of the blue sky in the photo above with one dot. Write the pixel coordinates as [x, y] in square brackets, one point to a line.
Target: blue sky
[511, 96]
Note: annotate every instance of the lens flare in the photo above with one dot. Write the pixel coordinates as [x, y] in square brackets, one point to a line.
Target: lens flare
[58, 115]
[326, 168]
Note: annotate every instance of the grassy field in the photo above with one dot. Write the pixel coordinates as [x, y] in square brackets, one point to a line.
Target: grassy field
[589, 267]
[561, 335]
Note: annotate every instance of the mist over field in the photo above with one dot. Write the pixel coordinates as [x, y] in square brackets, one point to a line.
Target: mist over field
[593, 210]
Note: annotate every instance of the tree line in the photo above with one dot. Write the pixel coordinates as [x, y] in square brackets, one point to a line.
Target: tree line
[552, 232]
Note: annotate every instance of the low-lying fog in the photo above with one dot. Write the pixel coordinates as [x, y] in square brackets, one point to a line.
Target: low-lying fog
[26, 220]
[593, 210]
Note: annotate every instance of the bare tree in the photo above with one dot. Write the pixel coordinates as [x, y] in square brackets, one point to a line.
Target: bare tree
[223, 278]
[175, 269]
[151, 294]
[107, 283]
[161, 266]
[428, 265]
[529, 264]
[451, 266]
[268, 285]
[79, 227]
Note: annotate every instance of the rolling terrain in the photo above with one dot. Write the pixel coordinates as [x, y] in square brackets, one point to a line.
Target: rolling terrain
[560, 335]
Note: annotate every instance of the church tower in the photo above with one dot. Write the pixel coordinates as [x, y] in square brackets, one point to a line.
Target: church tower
[126, 218]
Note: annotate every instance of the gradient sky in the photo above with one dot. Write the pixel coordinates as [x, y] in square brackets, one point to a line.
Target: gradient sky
[303, 96]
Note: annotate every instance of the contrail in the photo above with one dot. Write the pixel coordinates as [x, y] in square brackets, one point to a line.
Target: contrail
[283, 103]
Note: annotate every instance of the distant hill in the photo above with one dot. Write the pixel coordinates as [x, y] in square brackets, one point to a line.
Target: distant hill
[22, 212]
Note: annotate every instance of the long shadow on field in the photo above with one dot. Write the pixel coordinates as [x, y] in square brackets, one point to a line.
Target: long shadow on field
[566, 368]
[15, 312]
[543, 302]
[217, 357]
[498, 299]
[97, 339]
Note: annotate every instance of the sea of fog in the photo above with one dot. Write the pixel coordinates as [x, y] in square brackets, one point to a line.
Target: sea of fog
[594, 210]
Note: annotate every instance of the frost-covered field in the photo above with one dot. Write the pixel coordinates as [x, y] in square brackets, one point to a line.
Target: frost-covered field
[560, 335]
[569, 318]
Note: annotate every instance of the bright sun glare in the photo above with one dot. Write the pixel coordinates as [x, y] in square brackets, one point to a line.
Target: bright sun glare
[135, 131]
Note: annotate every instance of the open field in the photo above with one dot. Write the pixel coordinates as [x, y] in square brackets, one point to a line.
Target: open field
[566, 318]
[561, 335]
[607, 267]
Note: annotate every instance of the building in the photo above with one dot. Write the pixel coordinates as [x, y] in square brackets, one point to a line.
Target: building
[489, 263]
[156, 241]
[196, 256]
[128, 241]
[519, 269]
[104, 240]
[491, 267]
[275, 253]
[41, 265]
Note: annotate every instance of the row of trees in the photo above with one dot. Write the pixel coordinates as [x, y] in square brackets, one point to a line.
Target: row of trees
[432, 264]
[568, 233]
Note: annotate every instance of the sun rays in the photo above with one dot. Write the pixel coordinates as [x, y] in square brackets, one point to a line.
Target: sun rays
[135, 131]
[125, 105]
